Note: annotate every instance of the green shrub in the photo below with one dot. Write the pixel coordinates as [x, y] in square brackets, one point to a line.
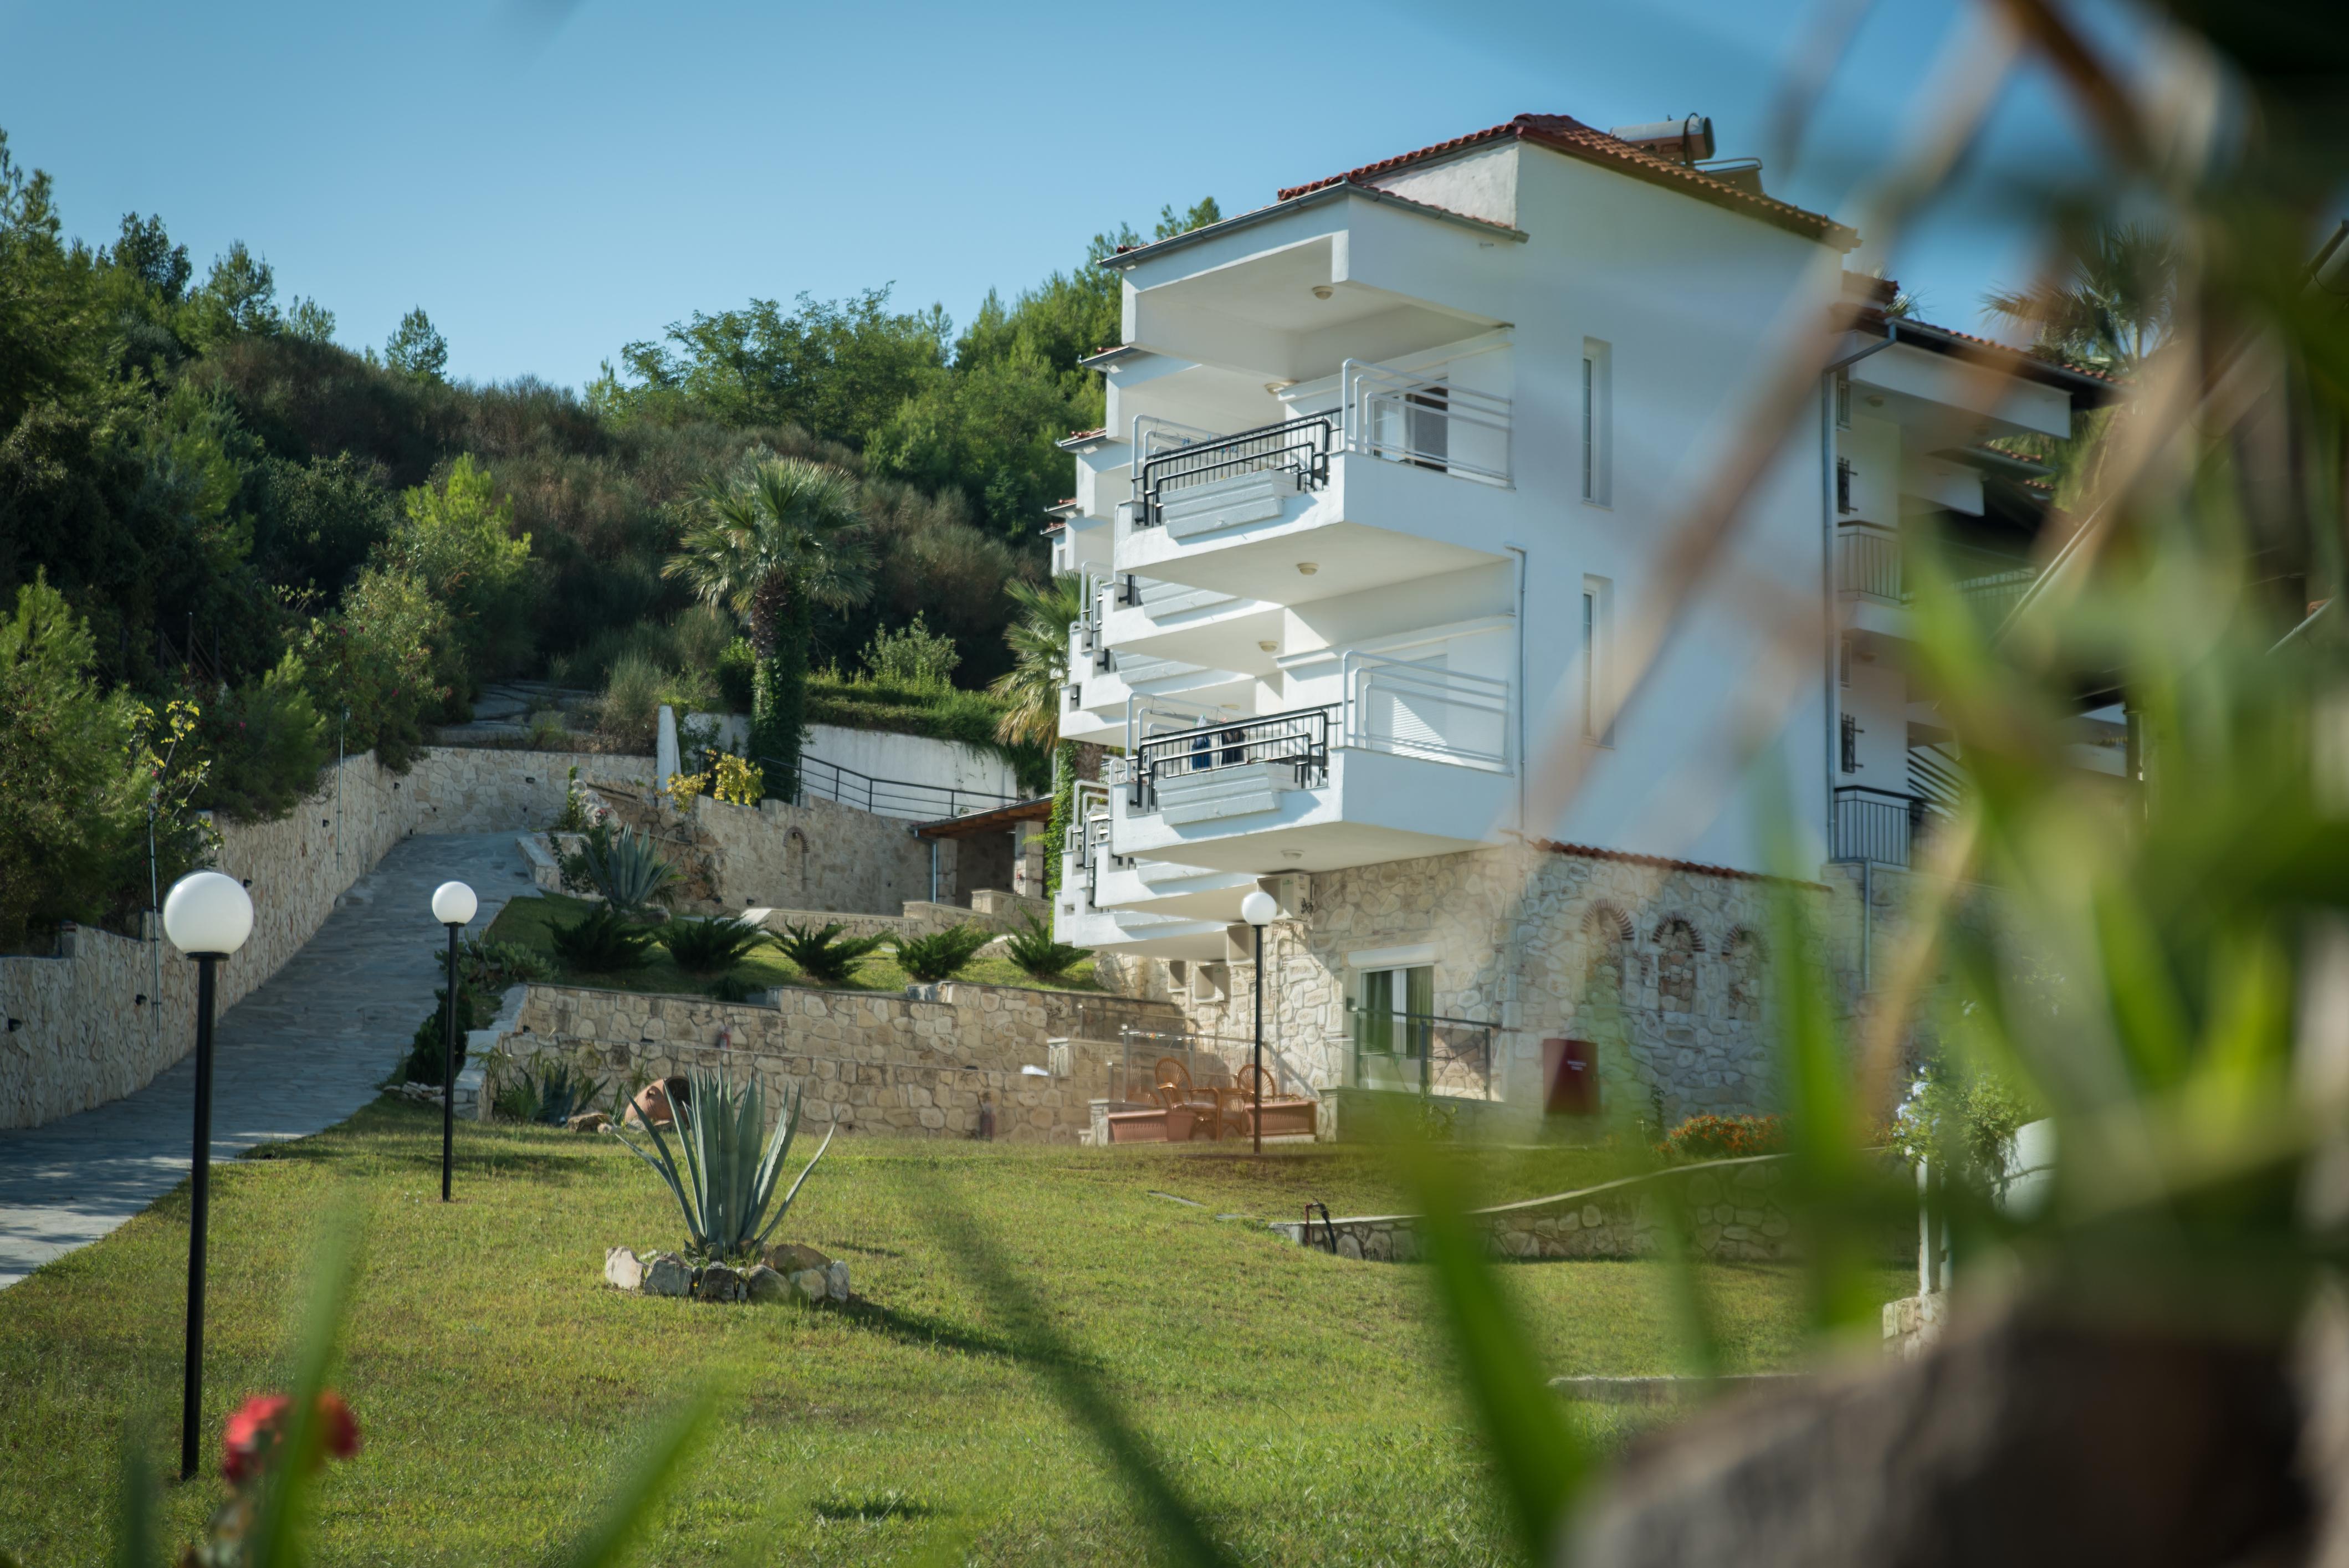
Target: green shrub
[937, 955]
[630, 711]
[375, 658]
[601, 942]
[1034, 951]
[267, 741]
[706, 947]
[736, 667]
[424, 1055]
[71, 831]
[491, 967]
[734, 988]
[914, 658]
[822, 955]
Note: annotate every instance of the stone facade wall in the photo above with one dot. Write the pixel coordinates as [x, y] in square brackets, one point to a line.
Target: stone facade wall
[876, 1062]
[820, 856]
[1735, 1211]
[106, 1013]
[1665, 966]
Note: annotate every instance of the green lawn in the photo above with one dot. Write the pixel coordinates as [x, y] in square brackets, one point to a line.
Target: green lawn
[528, 920]
[1300, 1398]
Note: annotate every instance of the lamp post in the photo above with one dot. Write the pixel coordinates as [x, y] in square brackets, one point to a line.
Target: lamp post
[454, 904]
[207, 917]
[1257, 909]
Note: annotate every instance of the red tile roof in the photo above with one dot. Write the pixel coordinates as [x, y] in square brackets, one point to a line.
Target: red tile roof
[1592, 852]
[1562, 133]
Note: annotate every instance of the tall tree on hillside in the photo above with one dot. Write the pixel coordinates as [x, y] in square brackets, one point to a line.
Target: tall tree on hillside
[417, 348]
[2112, 307]
[772, 545]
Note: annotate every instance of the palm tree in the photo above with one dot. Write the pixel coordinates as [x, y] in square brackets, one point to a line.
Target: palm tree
[773, 542]
[1039, 635]
[2114, 307]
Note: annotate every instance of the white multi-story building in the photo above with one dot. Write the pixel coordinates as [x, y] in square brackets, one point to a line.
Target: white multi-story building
[1386, 467]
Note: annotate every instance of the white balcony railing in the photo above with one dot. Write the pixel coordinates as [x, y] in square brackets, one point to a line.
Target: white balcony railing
[1419, 708]
[1427, 421]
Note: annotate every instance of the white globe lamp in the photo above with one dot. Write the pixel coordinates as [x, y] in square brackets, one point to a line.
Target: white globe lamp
[207, 914]
[453, 903]
[1259, 908]
[207, 917]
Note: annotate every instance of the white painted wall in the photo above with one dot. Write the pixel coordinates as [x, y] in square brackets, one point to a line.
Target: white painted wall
[912, 758]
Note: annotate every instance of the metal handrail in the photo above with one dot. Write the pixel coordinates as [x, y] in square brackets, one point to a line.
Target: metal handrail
[902, 798]
[1154, 434]
[1377, 402]
[1364, 674]
[1299, 737]
[1430, 1040]
[1299, 446]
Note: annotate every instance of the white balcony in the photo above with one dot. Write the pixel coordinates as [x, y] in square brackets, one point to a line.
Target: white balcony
[1110, 903]
[1872, 580]
[1408, 477]
[1413, 760]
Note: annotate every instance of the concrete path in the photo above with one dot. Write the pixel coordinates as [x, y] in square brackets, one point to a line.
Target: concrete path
[300, 1054]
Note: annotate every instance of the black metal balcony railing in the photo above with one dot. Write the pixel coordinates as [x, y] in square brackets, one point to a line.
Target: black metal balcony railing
[1298, 446]
[1301, 738]
[1879, 825]
[1420, 1053]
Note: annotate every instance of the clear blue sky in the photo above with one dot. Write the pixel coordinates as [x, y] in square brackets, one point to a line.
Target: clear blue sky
[550, 186]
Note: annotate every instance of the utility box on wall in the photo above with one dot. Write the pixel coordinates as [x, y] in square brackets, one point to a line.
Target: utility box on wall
[1569, 1078]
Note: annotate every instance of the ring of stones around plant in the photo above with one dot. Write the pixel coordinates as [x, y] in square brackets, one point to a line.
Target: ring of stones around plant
[785, 1271]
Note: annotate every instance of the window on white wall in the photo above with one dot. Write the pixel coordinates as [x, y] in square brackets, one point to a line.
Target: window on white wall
[1597, 661]
[1842, 660]
[1843, 400]
[1598, 422]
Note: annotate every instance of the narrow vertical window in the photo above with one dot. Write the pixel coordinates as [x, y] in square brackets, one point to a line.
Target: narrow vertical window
[1590, 434]
[1598, 628]
[1851, 734]
[1842, 660]
[1597, 423]
[1843, 400]
[1844, 475]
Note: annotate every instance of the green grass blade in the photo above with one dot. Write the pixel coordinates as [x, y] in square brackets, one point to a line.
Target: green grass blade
[1537, 1458]
[134, 1505]
[632, 1503]
[276, 1538]
[1175, 1529]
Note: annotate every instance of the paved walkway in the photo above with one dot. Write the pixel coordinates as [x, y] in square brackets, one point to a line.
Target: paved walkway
[298, 1055]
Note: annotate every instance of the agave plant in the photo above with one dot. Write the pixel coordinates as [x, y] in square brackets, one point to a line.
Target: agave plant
[724, 1183]
[622, 867]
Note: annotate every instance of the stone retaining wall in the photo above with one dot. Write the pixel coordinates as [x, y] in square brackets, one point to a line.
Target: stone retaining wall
[876, 1062]
[1733, 1208]
[105, 1014]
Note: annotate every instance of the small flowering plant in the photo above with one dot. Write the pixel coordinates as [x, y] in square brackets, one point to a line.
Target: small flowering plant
[253, 1448]
[1710, 1137]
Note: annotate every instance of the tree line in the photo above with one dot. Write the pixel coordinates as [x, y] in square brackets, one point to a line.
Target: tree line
[229, 541]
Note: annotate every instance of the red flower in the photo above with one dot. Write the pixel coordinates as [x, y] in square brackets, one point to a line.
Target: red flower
[258, 1426]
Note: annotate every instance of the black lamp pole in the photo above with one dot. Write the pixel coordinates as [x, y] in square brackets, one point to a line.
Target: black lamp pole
[449, 1071]
[199, 1206]
[1256, 1123]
